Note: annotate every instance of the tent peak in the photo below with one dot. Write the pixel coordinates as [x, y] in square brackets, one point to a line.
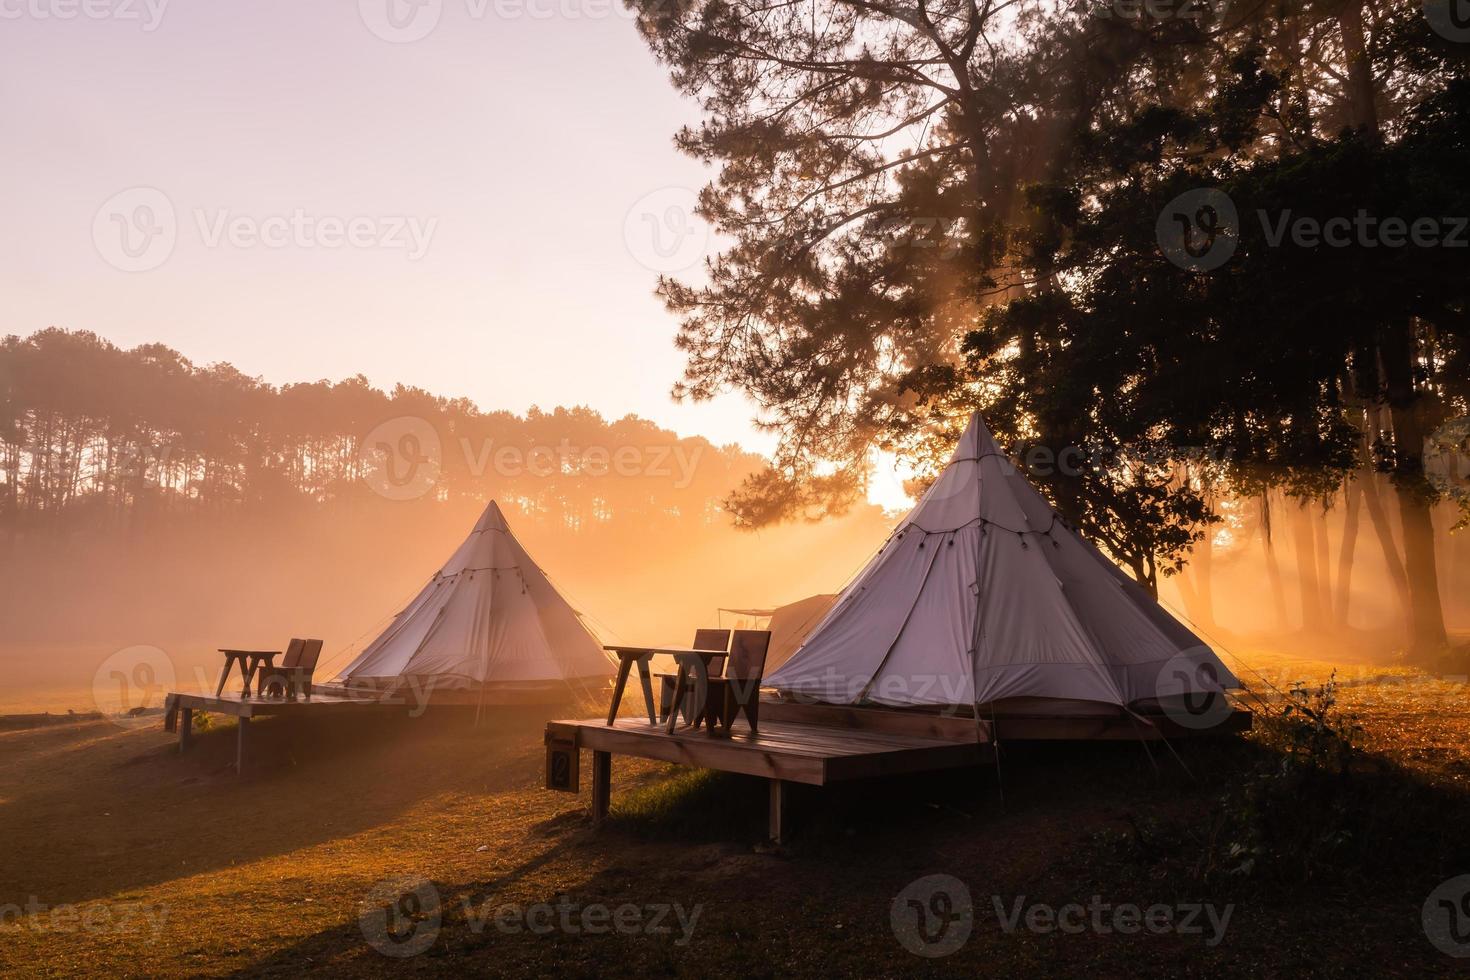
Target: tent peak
[492, 519]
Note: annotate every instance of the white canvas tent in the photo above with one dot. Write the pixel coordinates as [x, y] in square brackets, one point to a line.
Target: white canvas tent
[488, 619]
[983, 595]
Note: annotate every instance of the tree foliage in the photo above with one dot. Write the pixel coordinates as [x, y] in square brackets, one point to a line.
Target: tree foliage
[937, 208]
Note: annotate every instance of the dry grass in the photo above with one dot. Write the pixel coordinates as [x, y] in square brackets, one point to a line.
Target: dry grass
[271, 873]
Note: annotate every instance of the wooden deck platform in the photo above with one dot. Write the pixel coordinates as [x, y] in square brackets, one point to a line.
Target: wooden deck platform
[336, 701]
[817, 744]
[782, 752]
[179, 708]
[811, 754]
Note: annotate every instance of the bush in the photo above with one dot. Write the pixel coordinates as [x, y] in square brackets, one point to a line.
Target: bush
[1295, 813]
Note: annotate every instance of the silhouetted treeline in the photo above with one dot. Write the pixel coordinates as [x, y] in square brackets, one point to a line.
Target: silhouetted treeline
[92, 435]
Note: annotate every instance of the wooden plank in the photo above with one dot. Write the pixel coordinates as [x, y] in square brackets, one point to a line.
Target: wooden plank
[186, 729]
[240, 735]
[601, 786]
[797, 753]
[624, 664]
[728, 755]
[253, 707]
[563, 729]
[646, 682]
[800, 739]
[891, 720]
[778, 811]
[954, 755]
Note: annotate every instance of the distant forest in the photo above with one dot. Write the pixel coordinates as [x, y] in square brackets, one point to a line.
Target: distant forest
[94, 436]
[145, 499]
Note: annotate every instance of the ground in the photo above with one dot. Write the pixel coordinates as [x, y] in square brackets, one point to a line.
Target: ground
[353, 845]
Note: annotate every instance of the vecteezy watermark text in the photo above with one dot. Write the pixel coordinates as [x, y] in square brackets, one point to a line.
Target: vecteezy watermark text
[147, 13]
[96, 918]
[137, 230]
[403, 917]
[407, 21]
[404, 458]
[1105, 918]
[594, 918]
[1201, 230]
[934, 916]
[405, 233]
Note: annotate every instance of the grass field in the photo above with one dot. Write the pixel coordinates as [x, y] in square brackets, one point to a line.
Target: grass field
[433, 838]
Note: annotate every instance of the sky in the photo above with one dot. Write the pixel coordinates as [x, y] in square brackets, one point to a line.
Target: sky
[471, 196]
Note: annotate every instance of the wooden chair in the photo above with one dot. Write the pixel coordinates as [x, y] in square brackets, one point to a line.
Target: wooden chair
[740, 688]
[292, 676]
[706, 639]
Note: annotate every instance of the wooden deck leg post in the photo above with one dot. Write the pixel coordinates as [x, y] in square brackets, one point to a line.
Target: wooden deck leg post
[601, 786]
[240, 731]
[778, 811]
[186, 729]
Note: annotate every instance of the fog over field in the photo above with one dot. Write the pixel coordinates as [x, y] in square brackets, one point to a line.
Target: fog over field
[163, 504]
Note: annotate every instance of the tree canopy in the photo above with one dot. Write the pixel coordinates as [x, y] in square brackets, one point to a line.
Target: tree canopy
[1087, 222]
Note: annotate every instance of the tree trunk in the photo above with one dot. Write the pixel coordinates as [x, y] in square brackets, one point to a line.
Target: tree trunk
[1194, 585]
[1378, 517]
[1273, 570]
[1324, 565]
[1306, 568]
[1353, 494]
[1415, 495]
[1364, 112]
[1427, 632]
[1204, 563]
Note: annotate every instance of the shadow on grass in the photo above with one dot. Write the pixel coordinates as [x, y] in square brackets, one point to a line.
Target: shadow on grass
[102, 810]
[1076, 820]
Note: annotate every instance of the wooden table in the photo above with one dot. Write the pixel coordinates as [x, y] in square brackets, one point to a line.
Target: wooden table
[249, 661]
[629, 655]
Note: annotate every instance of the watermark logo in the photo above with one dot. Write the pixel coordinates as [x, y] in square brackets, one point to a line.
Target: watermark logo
[1189, 691]
[595, 918]
[1446, 917]
[933, 916]
[131, 683]
[1363, 230]
[136, 230]
[662, 232]
[93, 919]
[300, 229]
[401, 917]
[1450, 19]
[147, 13]
[401, 459]
[1199, 230]
[401, 21]
[1105, 918]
